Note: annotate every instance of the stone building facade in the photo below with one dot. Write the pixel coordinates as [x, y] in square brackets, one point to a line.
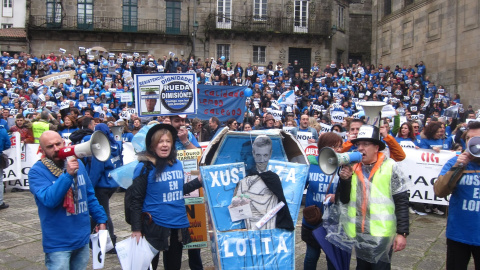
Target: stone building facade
[444, 34]
[252, 31]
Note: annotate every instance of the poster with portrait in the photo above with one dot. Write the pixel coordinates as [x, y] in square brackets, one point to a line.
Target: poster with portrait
[165, 94]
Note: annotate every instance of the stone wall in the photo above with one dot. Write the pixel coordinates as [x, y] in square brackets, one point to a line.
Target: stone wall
[442, 33]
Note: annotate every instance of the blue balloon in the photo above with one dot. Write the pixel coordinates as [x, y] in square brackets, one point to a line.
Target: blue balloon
[223, 58]
[105, 63]
[99, 81]
[143, 62]
[84, 76]
[248, 92]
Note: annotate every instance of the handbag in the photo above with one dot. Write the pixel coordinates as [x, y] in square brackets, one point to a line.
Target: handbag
[4, 161]
[312, 213]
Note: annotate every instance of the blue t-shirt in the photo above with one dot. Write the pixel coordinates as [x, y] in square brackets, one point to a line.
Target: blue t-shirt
[445, 144]
[463, 223]
[164, 198]
[318, 182]
[406, 142]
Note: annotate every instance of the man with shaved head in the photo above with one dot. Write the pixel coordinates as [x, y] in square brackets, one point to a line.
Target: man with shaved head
[65, 199]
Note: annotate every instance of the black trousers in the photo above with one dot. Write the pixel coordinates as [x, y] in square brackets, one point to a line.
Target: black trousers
[172, 258]
[364, 265]
[458, 255]
[103, 196]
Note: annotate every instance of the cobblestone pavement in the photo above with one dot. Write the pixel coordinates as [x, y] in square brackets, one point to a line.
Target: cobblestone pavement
[21, 245]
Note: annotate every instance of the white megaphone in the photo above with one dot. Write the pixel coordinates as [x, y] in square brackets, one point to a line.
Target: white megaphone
[117, 133]
[329, 160]
[98, 146]
[473, 146]
[373, 112]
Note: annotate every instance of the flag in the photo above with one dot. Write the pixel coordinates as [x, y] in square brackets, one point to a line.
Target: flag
[287, 98]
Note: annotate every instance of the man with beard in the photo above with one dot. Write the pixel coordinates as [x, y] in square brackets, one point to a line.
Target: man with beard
[65, 199]
[26, 135]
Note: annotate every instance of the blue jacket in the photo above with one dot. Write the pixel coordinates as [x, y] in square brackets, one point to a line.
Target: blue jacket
[100, 171]
[62, 231]
[4, 139]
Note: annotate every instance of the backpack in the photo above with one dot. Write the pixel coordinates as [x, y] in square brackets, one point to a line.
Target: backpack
[140, 184]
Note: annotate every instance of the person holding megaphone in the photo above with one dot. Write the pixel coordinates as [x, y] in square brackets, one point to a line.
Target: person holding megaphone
[65, 199]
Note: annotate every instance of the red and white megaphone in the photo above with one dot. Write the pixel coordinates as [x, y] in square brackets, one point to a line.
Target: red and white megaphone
[98, 146]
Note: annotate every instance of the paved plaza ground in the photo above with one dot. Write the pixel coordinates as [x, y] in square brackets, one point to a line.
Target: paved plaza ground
[21, 246]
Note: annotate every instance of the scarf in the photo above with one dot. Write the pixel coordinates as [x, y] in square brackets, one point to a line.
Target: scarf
[69, 201]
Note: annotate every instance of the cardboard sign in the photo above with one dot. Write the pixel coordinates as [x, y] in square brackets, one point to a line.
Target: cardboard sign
[337, 116]
[165, 94]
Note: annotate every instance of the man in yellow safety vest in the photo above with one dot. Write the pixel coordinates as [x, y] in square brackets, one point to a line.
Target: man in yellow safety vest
[375, 210]
[44, 121]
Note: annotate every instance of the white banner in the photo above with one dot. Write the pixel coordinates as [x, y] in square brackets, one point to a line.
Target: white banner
[337, 116]
[422, 167]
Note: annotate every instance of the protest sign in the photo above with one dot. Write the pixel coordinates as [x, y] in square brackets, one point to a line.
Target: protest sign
[239, 249]
[59, 77]
[165, 94]
[223, 102]
[337, 116]
[277, 114]
[126, 97]
[422, 167]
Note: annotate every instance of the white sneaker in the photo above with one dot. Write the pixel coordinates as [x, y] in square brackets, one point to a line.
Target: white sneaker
[410, 209]
[427, 209]
[438, 212]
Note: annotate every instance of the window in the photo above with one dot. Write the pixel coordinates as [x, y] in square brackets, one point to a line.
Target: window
[301, 16]
[224, 14]
[85, 14]
[130, 15]
[223, 50]
[259, 9]
[6, 25]
[259, 54]
[341, 18]
[388, 7]
[54, 13]
[173, 17]
[7, 10]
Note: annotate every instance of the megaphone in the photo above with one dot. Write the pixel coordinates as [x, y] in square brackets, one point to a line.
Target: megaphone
[329, 160]
[373, 112]
[473, 146]
[117, 133]
[98, 146]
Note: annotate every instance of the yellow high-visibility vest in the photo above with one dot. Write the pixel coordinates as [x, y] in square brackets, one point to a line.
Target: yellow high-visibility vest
[38, 128]
[382, 219]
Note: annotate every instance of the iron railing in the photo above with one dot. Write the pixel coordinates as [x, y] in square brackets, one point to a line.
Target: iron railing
[109, 24]
[268, 24]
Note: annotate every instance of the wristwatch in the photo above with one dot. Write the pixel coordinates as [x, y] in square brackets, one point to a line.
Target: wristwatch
[187, 143]
[403, 234]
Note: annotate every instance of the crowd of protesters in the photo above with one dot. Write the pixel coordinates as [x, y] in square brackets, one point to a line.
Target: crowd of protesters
[433, 118]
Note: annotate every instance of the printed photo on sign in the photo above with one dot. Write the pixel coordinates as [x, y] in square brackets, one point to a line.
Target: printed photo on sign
[175, 93]
[150, 100]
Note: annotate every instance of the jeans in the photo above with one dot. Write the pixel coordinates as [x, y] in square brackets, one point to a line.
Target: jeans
[103, 196]
[458, 255]
[68, 260]
[311, 259]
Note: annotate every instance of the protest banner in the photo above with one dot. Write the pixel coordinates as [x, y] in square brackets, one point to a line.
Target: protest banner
[422, 167]
[165, 94]
[22, 159]
[277, 114]
[223, 102]
[194, 202]
[337, 116]
[59, 77]
[126, 97]
[247, 248]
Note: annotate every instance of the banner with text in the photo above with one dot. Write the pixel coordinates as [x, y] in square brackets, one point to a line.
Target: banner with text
[223, 102]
